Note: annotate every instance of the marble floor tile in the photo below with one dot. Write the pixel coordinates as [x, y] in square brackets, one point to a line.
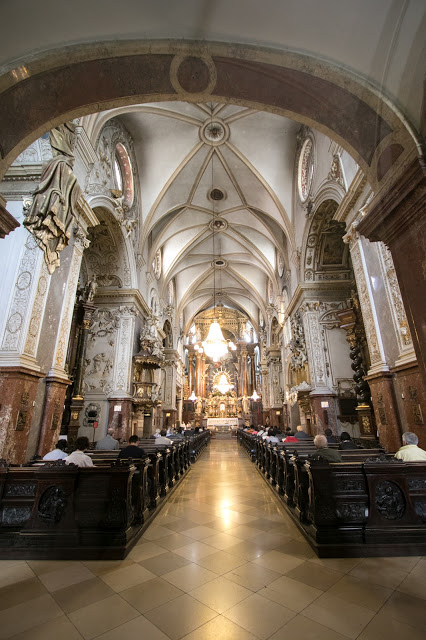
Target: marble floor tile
[82, 594]
[151, 594]
[136, 629]
[366, 594]
[220, 628]
[28, 614]
[220, 594]
[252, 576]
[180, 616]
[127, 577]
[302, 628]
[57, 629]
[164, 563]
[189, 577]
[102, 616]
[259, 616]
[315, 575]
[21, 591]
[344, 617]
[290, 593]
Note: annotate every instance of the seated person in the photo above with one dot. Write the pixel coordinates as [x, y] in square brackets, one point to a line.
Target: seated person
[273, 437]
[156, 433]
[410, 452]
[289, 436]
[132, 450]
[108, 443]
[331, 439]
[346, 441]
[78, 456]
[332, 455]
[58, 453]
[300, 434]
[162, 438]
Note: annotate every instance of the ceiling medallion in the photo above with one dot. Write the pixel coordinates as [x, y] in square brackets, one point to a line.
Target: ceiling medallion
[214, 132]
[218, 224]
[219, 263]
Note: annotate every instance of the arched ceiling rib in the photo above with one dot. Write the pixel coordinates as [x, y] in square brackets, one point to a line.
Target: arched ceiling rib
[251, 163]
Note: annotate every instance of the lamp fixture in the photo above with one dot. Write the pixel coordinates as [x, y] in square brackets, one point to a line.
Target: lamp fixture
[193, 397]
[255, 396]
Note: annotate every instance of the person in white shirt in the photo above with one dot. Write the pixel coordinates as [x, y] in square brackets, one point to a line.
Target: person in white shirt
[58, 452]
[162, 438]
[78, 456]
[410, 452]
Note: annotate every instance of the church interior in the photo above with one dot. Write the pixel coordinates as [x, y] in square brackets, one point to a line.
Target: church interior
[212, 223]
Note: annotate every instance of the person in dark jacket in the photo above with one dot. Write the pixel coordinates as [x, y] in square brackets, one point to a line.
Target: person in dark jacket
[330, 438]
[300, 434]
[346, 441]
[332, 455]
[132, 450]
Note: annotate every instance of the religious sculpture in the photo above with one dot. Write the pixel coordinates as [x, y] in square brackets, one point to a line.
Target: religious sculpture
[90, 289]
[51, 213]
[297, 345]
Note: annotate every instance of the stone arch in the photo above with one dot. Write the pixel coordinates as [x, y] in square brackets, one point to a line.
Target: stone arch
[316, 93]
[325, 256]
[110, 254]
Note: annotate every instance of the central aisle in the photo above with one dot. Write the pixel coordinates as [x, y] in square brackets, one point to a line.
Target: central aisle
[238, 569]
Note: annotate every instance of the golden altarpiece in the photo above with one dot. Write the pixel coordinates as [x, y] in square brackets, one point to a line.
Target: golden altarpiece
[222, 389]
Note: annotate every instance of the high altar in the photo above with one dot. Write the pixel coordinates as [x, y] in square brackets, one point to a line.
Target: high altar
[222, 389]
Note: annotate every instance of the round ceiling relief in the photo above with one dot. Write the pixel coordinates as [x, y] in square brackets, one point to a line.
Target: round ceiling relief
[214, 132]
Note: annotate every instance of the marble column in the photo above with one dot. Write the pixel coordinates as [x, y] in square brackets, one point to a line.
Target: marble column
[57, 378]
[398, 218]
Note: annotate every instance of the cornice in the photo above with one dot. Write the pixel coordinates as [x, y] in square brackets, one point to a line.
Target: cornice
[389, 216]
[123, 296]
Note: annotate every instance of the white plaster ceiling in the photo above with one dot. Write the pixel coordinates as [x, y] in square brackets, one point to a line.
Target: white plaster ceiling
[177, 167]
[381, 40]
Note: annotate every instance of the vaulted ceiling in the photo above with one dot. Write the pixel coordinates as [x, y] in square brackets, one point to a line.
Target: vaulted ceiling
[186, 151]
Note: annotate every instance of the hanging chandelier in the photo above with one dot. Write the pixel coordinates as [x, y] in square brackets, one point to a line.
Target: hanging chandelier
[255, 396]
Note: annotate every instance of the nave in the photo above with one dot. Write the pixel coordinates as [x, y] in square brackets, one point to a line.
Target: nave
[221, 561]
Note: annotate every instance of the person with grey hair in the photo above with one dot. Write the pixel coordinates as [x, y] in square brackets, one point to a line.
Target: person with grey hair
[108, 443]
[332, 455]
[410, 452]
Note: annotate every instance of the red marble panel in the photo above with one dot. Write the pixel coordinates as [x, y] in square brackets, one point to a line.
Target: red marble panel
[18, 388]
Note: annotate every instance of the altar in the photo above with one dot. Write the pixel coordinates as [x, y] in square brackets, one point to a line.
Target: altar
[222, 424]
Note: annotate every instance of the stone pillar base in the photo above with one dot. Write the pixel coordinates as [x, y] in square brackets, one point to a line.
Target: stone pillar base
[18, 388]
[325, 417]
[120, 421]
[385, 410]
[76, 407]
[53, 408]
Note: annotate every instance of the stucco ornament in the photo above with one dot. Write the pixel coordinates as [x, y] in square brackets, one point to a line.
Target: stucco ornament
[50, 216]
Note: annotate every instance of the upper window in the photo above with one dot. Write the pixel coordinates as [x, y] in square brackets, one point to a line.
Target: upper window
[124, 173]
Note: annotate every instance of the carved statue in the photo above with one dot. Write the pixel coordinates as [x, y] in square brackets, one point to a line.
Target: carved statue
[90, 289]
[50, 216]
[297, 344]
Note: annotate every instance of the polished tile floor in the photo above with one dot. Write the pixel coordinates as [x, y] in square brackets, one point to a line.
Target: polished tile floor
[222, 561]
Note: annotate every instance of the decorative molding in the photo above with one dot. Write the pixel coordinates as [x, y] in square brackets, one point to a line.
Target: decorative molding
[7, 222]
[399, 318]
[368, 309]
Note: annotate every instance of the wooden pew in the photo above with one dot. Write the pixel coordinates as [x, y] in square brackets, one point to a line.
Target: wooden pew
[375, 507]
